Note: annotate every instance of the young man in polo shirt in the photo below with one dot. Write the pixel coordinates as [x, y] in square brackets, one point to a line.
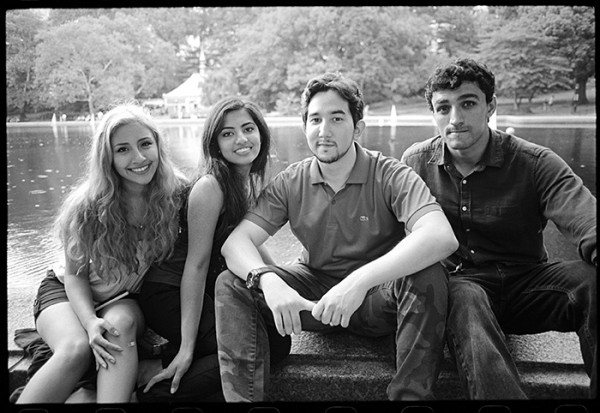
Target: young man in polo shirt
[373, 237]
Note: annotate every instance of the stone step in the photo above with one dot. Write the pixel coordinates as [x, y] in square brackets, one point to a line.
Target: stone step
[345, 367]
[340, 366]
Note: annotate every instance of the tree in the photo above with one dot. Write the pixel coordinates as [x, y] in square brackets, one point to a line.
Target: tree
[22, 27]
[573, 33]
[455, 29]
[523, 60]
[83, 60]
[156, 59]
[372, 45]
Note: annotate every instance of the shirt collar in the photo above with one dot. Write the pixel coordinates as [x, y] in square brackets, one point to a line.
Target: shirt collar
[492, 156]
[358, 175]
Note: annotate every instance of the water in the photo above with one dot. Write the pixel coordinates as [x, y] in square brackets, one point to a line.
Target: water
[43, 162]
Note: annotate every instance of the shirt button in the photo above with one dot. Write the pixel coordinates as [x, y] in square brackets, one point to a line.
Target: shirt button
[468, 230]
[464, 208]
[472, 252]
[464, 181]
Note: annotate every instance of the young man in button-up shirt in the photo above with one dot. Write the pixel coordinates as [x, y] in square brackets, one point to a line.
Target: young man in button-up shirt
[373, 237]
[498, 192]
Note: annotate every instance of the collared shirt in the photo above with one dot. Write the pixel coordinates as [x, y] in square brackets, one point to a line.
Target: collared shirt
[499, 211]
[342, 231]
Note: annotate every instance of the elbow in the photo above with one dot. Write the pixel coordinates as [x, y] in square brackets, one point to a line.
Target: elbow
[226, 248]
[450, 244]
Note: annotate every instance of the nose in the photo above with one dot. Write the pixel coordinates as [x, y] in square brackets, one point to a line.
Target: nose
[324, 129]
[240, 137]
[138, 155]
[456, 116]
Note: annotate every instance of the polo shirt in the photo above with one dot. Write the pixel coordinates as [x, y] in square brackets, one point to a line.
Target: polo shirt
[499, 211]
[342, 231]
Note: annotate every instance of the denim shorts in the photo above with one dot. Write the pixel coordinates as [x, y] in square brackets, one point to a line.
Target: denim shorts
[50, 292]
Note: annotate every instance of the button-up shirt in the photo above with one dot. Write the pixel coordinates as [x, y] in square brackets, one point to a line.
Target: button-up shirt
[341, 231]
[499, 211]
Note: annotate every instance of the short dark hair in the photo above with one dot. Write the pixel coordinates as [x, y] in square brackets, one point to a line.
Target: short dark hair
[452, 75]
[347, 88]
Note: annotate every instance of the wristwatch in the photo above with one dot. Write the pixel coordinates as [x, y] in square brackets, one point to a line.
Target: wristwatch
[254, 276]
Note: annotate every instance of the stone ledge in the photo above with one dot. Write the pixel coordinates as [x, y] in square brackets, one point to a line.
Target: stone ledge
[344, 367]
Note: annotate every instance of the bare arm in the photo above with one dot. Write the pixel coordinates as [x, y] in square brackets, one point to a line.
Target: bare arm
[204, 206]
[430, 241]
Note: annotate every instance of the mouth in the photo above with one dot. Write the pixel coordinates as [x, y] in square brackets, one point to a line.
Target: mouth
[243, 151]
[141, 169]
[456, 131]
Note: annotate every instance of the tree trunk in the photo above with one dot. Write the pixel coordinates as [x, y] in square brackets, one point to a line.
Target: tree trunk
[516, 102]
[581, 92]
[91, 108]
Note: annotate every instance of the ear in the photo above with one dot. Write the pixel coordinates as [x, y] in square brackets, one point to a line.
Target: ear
[359, 128]
[491, 107]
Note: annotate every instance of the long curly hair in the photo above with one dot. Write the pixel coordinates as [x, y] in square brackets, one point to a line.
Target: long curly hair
[92, 224]
[239, 193]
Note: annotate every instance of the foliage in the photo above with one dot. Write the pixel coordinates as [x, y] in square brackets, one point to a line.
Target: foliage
[21, 30]
[523, 60]
[372, 45]
[69, 70]
[267, 54]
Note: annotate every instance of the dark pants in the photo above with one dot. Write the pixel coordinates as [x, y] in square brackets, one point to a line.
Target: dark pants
[413, 307]
[486, 303]
[161, 305]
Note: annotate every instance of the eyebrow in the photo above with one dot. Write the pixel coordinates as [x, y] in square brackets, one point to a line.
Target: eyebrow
[333, 112]
[243, 125]
[127, 143]
[461, 97]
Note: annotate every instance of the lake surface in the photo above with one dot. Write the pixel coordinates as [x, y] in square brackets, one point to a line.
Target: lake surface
[44, 162]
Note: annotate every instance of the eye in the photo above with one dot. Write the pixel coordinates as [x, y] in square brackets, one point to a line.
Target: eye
[338, 119]
[121, 149]
[314, 121]
[250, 129]
[442, 109]
[469, 104]
[226, 134]
[147, 144]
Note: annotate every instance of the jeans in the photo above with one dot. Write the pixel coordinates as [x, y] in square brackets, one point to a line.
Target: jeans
[487, 303]
[414, 307]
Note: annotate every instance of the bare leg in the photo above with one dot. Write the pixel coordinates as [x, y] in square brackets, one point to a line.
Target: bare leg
[56, 379]
[117, 382]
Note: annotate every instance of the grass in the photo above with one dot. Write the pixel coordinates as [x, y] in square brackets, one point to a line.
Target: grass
[561, 105]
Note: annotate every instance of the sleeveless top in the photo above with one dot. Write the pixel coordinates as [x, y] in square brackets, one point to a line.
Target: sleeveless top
[170, 271]
[121, 281]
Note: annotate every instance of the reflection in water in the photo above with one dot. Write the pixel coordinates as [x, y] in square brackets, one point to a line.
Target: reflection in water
[43, 162]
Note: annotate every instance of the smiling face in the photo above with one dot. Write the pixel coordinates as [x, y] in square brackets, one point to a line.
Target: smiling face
[135, 154]
[239, 139]
[329, 128]
[462, 116]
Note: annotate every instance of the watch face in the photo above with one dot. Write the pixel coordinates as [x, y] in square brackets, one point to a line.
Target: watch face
[251, 280]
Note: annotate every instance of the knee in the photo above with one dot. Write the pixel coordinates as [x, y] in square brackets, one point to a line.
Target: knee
[125, 322]
[466, 298]
[432, 278]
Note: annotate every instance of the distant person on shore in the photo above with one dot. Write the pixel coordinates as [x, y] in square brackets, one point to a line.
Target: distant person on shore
[373, 237]
[177, 295]
[117, 221]
[499, 191]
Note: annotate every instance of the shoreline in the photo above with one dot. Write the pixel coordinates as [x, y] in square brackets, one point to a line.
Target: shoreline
[373, 120]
